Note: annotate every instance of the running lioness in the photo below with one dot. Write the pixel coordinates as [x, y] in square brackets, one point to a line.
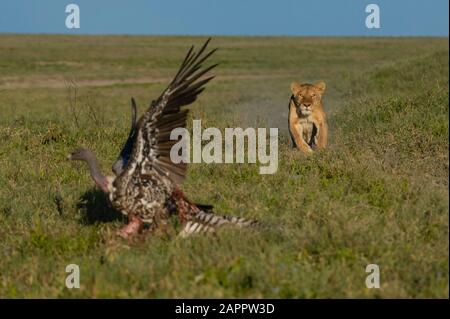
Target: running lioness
[307, 119]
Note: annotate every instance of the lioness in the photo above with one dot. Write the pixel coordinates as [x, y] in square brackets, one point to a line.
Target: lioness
[307, 119]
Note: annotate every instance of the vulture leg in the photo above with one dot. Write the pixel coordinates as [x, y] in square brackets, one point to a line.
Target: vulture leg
[134, 227]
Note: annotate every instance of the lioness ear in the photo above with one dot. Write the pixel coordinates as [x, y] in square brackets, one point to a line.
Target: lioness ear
[320, 86]
[295, 87]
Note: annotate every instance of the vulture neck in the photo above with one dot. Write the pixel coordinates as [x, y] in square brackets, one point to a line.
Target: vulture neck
[100, 180]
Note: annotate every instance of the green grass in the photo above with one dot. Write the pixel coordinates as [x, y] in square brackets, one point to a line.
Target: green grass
[378, 194]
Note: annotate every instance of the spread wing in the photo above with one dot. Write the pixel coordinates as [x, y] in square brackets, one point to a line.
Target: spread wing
[152, 143]
[125, 153]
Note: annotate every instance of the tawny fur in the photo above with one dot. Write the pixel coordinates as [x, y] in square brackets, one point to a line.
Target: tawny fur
[307, 118]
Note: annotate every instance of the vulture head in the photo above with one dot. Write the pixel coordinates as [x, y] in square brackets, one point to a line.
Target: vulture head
[83, 154]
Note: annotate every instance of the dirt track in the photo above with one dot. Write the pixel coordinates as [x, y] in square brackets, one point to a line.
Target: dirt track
[16, 82]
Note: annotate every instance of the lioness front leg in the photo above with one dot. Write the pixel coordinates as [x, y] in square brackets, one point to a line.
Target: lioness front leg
[322, 136]
[297, 132]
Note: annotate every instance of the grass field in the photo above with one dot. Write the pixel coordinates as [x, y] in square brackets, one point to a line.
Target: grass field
[377, 195]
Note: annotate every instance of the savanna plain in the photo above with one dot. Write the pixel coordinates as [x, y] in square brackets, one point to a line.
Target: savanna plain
[377, 195]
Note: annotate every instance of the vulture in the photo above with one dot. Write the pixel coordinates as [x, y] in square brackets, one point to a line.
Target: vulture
[146, 185]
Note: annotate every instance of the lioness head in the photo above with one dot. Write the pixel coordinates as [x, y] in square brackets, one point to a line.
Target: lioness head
[307, 96]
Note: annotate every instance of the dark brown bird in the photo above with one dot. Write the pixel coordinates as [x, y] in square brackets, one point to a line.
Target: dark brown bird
[146, 185]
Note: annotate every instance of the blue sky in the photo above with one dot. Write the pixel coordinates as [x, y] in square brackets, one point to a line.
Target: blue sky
[228, 17]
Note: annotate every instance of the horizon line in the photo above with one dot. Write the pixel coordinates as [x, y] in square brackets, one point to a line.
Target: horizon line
[225, 35]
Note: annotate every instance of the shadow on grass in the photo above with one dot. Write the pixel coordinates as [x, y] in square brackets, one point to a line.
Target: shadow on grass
[96, 208]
